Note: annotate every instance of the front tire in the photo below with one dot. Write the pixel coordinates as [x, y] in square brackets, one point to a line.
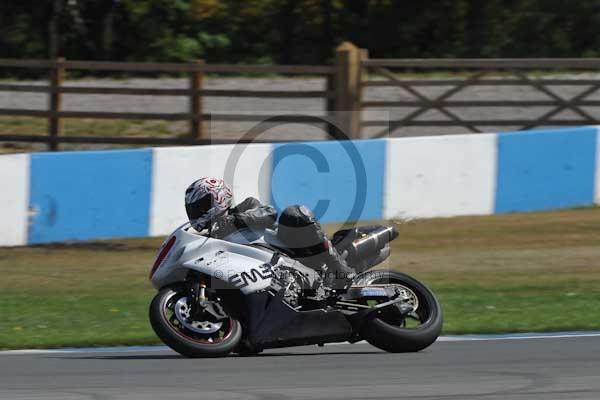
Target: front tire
[390, 334]
[178, 336]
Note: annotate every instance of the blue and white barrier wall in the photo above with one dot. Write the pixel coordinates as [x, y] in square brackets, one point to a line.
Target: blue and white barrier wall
[14, 199]
[51, 197]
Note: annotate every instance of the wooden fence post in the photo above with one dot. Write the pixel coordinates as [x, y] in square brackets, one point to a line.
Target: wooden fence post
[57, 77]
[347, 60]
[362, 76]
[197, 126]
[330, 86]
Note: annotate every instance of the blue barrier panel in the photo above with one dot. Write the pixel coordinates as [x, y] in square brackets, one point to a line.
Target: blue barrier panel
[546, 169]
[339, 180]
[89, 195]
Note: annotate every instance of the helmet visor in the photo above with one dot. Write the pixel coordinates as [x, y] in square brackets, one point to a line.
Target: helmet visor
[199, 208]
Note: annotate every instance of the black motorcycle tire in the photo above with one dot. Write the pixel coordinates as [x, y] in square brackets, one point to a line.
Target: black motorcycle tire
[180, 343]
[395, 339]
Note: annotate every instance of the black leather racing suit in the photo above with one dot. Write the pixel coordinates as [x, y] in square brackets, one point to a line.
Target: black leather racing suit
[250, 213]
[298, 230]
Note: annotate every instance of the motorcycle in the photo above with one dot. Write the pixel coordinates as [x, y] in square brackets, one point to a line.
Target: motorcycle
[248, 292]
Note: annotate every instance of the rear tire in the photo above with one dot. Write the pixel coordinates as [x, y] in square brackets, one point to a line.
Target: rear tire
[185, 342]
[397, 339]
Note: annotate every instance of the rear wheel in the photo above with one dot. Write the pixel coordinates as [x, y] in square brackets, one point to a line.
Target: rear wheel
[193, 334]
[412, 325]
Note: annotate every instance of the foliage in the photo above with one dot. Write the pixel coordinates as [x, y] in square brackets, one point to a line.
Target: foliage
[296, 31]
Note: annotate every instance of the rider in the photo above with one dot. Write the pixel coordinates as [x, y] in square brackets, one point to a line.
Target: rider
[208, 203]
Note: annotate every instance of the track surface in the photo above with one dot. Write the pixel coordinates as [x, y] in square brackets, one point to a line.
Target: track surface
[557, 368]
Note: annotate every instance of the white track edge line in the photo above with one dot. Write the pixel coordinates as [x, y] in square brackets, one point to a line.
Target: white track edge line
[452, 338]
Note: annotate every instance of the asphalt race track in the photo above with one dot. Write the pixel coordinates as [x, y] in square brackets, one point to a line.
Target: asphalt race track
[544, 368]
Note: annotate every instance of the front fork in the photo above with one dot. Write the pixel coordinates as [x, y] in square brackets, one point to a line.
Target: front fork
[196, 291]
[199, 302]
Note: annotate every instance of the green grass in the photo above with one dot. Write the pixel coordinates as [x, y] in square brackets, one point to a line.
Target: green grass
[86, 127]
[510, 273]
[91, 127]
[76, 295]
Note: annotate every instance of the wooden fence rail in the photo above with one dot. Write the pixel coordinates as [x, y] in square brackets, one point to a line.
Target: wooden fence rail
[346, 95]
[494, 64]
[467, 73]
[196, 116]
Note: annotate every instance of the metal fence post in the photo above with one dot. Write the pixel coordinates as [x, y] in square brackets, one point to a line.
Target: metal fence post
[55, 124]
[347, 60]
[197, 126]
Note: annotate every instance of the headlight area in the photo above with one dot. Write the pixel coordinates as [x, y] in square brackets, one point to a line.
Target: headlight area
[162, 254]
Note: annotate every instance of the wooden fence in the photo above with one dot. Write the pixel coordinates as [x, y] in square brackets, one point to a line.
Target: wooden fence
[195, 93]
[546, 82]
[346, 82]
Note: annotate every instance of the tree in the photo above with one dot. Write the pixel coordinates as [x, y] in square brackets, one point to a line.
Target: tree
[295, 31]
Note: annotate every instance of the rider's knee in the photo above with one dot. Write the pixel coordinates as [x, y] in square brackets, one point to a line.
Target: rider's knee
[299, 229]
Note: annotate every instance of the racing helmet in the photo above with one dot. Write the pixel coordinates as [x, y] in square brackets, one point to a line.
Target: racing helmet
[206, 199]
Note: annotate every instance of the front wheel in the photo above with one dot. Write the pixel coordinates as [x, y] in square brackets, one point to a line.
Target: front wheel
[410, 326]
[197, 334]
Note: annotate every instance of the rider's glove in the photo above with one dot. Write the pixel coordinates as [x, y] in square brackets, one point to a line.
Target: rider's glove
[223, 226]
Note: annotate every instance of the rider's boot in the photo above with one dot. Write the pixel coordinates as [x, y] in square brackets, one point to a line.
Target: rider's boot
[339, 274]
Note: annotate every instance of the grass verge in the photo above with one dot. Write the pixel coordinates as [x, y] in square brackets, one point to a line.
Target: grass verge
[508, 273]
[94, 127]
[86, 127]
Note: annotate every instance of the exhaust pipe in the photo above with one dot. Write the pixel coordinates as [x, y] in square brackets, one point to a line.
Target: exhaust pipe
[372, 243]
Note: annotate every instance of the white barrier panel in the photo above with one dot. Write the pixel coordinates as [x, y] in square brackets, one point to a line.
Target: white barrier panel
[440, 176]
[14, 199]
[175, 168]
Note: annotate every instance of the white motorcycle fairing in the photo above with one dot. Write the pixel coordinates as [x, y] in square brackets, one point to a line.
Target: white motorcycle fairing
[259, 298]
[244, 267]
